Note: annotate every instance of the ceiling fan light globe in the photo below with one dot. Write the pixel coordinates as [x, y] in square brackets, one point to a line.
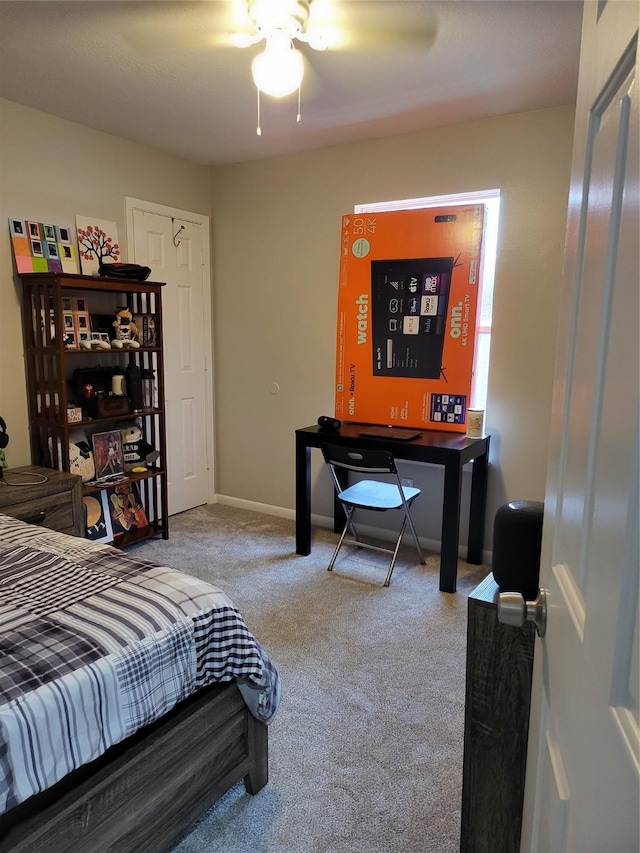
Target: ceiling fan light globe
[277, 71]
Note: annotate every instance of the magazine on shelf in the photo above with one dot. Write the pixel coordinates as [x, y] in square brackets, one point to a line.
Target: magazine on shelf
[108, 455]
[125, 507]
[98, 527]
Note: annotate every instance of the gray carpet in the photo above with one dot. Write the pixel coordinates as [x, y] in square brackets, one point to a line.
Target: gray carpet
[366, 747]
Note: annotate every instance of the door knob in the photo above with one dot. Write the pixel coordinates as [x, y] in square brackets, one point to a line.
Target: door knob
[514, 610]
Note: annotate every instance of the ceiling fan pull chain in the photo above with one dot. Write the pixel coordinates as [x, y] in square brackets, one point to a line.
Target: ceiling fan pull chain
[258, 128]
[299, 117]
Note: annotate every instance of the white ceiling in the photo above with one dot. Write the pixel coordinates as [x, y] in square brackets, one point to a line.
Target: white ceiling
[159, 73]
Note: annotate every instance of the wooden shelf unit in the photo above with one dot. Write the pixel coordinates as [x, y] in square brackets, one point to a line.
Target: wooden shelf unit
[50, 365]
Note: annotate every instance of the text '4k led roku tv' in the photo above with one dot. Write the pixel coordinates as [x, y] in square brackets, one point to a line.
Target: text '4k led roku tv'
[407, 303]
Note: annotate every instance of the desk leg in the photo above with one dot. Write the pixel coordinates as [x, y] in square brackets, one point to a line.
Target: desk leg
[450, 526]
[477, 509]
[303, 498]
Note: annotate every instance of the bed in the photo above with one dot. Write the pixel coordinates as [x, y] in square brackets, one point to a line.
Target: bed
[132, 696]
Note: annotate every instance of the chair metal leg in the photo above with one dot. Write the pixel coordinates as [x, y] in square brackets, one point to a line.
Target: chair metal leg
[350, 526]
[415, 539]
[341, 540]
[395, 553]
[349, 513]
[353, 529]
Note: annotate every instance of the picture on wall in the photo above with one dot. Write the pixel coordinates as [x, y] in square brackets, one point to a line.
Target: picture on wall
[41, 247]
[97, 243]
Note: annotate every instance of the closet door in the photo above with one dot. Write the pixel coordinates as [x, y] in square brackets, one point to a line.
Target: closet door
[174, 250]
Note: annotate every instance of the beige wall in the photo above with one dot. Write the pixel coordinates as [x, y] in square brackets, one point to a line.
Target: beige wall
[276, 227]
[51, 170]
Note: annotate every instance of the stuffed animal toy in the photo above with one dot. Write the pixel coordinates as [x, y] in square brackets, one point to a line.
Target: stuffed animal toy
[134, 447]
[126, 330]
[81, 456]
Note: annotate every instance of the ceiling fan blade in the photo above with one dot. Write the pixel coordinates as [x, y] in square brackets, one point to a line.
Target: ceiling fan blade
[374, 24]
[176, 28]
[388, 39]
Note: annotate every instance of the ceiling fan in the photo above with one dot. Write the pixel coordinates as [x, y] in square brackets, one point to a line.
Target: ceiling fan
[288, 33]
[289, 17]
[278, 70]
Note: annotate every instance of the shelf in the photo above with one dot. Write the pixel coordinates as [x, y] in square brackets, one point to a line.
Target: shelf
[72, 281]
[53, 350]
[149, 532]
[110, 351]
[137, 413]
[52, 390]
[92, 487]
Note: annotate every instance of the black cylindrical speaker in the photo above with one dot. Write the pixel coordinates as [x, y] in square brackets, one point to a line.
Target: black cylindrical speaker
[517, 542]
[328, 424]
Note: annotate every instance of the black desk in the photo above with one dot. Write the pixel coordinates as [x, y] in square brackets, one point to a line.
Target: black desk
[452, 450]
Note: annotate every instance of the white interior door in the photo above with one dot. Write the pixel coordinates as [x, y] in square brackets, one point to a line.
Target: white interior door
[173, 248]
[582, 789]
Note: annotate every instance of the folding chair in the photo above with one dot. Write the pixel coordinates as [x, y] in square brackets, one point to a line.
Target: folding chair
[376, 495]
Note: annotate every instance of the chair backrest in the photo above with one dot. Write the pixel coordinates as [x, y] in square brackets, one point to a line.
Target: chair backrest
[363, 461]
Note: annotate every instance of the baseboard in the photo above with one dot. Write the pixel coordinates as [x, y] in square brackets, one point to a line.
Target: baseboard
[431, 545]
[269, 509]
[316, 520]
[256, 506]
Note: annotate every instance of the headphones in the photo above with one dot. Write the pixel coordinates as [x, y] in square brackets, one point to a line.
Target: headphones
[4, 436]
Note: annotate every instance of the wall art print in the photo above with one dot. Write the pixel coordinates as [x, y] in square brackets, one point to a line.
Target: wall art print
[98, 525]
[108, 454]
[43, 247]
[127, 512]
[97, 243]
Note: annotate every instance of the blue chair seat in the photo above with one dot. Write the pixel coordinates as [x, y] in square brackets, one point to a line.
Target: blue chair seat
[378, 495]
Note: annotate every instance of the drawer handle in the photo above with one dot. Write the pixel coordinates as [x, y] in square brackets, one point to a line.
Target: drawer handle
[36, 518]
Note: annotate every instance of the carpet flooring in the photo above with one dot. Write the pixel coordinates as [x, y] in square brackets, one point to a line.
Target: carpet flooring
[366, 747]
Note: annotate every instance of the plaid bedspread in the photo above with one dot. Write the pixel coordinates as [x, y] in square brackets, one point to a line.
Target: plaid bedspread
[95, 644]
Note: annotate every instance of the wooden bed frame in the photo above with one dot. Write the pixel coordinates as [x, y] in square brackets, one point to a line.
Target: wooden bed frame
[145, 793]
